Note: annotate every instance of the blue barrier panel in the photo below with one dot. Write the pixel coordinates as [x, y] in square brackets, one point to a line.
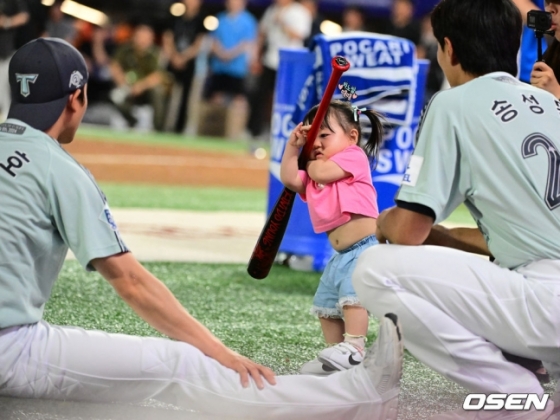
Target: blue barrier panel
[397, 147]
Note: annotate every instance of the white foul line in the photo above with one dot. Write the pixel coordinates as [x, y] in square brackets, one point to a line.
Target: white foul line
[204, 162]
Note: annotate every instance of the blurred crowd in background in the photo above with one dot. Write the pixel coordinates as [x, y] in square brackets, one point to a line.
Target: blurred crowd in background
[205, 68]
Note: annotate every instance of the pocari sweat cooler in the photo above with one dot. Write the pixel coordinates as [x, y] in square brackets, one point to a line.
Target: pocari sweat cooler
[388, 79]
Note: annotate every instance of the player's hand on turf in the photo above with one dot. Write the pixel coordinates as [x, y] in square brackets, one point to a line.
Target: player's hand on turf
[247, 368]
[299, 135]
[543, 77]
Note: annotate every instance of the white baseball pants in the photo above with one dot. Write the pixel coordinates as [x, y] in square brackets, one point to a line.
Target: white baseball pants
[44, 361]
[458, 311]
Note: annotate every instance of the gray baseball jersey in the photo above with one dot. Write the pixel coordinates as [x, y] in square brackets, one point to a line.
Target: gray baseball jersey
[49, 203]
[493, 143]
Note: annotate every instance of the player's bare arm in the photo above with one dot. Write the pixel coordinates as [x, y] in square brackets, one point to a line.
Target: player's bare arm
[289, 166]
[464, 239]
[154, 303]
[403, 227]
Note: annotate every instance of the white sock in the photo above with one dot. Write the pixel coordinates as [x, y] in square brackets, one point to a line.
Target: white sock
[358, 341]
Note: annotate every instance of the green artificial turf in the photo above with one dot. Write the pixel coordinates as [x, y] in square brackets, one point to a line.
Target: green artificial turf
[266, 320]
[184, 198]
[461, 216]
[162, 139]
[207, 199]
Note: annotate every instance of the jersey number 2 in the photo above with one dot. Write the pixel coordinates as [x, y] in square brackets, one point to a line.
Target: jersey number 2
[529, 149]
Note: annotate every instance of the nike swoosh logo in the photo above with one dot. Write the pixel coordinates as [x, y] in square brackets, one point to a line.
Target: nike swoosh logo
[352, 361]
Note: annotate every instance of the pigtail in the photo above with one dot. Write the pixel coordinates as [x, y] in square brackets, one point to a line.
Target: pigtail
[348, 117]
[373, 143]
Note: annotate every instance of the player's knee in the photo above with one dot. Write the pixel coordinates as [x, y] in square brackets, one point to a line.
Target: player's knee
[372, 266]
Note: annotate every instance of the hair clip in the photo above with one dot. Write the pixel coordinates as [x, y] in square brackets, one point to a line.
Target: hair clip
[357, 111]
[348, 92]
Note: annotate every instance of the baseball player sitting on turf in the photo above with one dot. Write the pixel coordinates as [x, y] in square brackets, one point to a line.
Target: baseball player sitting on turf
[491, 142]
[51, 203]
[342, 202]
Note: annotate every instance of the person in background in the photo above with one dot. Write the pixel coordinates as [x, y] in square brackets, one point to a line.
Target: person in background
[403, 23]
[97, 50]
[528, 51]
[285, 23]
[35, 25]
[313, 7]
[59, 25]
[546, 73]
[13, 14]
[233, 46]
[428, 49]
[181, 46]
[138, 77]
[353, 19]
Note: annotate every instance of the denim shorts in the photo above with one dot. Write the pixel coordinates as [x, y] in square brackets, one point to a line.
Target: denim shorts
[335, 287]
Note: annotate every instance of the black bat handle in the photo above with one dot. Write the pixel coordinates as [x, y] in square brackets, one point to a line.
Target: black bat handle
[268, 244]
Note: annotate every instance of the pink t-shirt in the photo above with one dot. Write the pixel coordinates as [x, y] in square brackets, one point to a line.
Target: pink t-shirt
[332, 205]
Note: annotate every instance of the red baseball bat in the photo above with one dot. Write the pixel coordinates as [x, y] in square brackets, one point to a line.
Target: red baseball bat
[272, 233]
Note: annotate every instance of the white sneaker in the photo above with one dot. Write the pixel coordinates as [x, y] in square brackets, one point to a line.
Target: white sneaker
[341, 356]
[383, 363]
[316, 367]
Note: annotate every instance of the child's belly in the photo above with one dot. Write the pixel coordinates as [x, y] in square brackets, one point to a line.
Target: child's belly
[351, 232]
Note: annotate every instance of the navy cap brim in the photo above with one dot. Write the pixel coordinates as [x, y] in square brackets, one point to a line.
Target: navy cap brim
[39, 116]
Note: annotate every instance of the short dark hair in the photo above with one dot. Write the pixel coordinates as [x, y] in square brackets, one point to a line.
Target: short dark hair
[485, 34]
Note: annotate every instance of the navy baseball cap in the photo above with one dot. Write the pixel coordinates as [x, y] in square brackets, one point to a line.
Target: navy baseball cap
[43, 73]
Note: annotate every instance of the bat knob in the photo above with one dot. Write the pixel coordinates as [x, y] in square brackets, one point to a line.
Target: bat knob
[341, 63]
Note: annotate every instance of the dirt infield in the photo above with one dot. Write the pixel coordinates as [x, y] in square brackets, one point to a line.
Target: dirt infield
[133, 163]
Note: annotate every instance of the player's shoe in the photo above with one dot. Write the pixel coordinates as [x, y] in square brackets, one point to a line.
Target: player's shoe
[341, 356]
[546, 414]
[316, 367]
[383, 364]
[535, 366]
